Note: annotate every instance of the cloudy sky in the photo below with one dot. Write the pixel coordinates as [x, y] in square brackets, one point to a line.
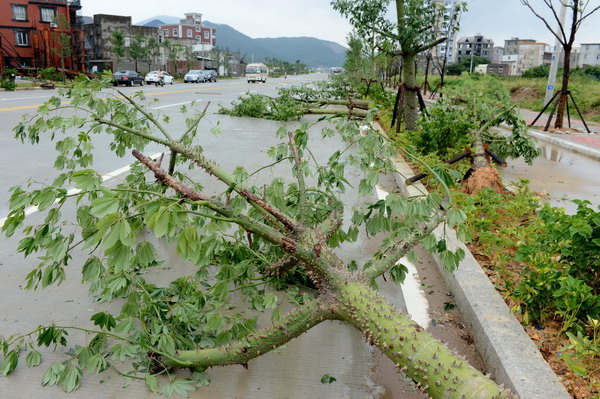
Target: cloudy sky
[497, 19]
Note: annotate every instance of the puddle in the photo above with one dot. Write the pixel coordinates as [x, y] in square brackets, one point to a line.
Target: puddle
[563, 174]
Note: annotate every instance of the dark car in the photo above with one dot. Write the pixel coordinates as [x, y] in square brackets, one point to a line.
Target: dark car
[128, 78]
[210, 75]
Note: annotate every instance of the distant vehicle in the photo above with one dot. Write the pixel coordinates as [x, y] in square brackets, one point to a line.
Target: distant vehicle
[152, 77]
[127, 78]
[193, 76]
[257, 73]
[210, 75]
[336, 70]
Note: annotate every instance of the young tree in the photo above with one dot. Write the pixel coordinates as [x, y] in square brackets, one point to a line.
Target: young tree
[137, 50]
[65, 47]
[283, 235]
[579, 11]
[117, 42]
[152, 52]
[412, 33]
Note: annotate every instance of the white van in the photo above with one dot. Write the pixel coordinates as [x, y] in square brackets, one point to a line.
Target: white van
[257, 73]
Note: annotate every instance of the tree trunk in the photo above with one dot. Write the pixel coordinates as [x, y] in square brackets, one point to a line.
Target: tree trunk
[411, 104]
[565, 86]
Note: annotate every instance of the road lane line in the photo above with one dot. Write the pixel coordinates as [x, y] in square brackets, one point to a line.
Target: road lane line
[73, 191]
[174, 105]
[412, 291]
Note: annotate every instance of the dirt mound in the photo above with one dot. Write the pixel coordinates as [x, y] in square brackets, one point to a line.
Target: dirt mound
[486, 177]
[524, 94]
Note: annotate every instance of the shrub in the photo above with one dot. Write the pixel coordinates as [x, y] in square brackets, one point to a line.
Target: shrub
[49, 74]
[8, 85]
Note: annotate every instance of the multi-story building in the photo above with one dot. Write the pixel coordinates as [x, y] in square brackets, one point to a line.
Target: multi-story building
[99, 34]
[497, 54]
[532, 55]
[511, 46]
[511, 60]
[191, 31]
[477, 46]
[448, 48]
[590, 55]
[29, 34]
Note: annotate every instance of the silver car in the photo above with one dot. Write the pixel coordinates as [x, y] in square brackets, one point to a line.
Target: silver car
[194, 76]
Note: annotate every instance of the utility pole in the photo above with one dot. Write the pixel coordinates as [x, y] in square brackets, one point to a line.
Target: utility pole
[557, 50]
[472, 54]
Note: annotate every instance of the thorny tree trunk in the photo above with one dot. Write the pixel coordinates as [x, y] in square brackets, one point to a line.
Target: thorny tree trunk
[343, 295]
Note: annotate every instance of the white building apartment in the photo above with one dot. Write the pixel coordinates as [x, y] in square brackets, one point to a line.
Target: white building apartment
[450, 45]
[589, 55]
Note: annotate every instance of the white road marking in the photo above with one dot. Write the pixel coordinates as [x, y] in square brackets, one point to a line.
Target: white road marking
[174, 105]
[22, 98]
[73, 191]
[412, 291]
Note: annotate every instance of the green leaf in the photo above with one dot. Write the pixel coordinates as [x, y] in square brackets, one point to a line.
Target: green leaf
[152, 383]
[9, 363]
[398, 273]
[69, 379]
[327, 379]
[86, 180]
[104, 320]
[33, 358]
[103, 206]
[52, 375]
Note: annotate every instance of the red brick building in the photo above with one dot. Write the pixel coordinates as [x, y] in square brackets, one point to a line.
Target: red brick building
[191, 31]
[28, 33]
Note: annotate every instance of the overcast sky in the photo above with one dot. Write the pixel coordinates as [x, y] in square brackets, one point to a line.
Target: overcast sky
[496, 19]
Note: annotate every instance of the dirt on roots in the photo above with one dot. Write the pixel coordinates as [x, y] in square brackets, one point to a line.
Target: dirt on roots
[485, 177]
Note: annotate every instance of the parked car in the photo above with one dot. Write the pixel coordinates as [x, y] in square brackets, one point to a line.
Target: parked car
[152, 77]
[127, 78]
[193, 76]
[210, 75]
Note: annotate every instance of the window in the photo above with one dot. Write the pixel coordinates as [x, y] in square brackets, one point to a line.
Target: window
[198, 28]
[166, 32]
[22, 38]
[500, 70]
[175, 32]
[207, 35]
[47, 14]
[198, 38]
[190, 33]
[19, 12]
[127, 41]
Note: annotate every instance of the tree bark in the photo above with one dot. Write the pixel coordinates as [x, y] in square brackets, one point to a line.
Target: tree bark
[411, 103]
[564, 87]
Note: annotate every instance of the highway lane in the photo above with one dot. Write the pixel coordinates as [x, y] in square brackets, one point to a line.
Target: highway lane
[19, 162]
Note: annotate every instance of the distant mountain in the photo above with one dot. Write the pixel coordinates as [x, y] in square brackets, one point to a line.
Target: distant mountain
[165, 19]
[309, 50]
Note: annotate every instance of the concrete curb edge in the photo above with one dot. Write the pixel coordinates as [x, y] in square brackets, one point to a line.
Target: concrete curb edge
[567, 144]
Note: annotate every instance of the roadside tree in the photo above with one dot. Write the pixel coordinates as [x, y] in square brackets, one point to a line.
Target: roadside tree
[411, 34]
[63, 38]
[579, 11]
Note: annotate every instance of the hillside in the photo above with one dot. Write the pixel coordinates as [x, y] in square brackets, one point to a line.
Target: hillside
[309, 50]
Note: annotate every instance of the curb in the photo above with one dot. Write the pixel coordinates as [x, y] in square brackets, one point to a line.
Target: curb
[567, 144]
[507, 351]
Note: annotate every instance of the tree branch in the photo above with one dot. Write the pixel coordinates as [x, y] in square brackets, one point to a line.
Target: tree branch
[430, 45]
[561, 41]
[299, 174]
[146, 114]
[405, 246]
[260, 342]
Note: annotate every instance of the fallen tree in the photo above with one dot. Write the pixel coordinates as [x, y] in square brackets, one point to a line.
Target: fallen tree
[281, 236]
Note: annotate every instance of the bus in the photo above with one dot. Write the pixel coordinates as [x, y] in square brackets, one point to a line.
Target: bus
[257, 73]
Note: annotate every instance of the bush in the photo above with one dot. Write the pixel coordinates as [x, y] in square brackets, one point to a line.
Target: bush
[50, 74]
[8, 85]
[540, 71]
